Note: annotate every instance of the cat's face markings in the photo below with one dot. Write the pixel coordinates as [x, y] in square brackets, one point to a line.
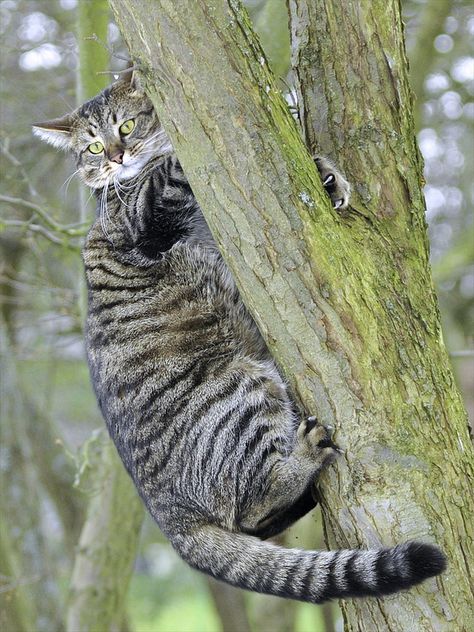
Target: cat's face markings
[113, 136]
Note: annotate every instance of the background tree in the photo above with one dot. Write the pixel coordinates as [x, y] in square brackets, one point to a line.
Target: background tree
[108, 543]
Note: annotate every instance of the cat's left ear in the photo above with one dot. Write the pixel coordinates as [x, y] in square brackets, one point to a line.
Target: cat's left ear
[56, 132]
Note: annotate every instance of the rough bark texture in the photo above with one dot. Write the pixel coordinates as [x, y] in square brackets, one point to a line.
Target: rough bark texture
[109, 538]
[346, 303]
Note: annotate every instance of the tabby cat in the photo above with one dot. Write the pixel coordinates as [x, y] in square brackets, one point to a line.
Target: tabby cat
[199, 412]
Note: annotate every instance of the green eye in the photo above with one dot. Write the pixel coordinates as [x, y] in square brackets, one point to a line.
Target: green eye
[127, 127]
[96, 148]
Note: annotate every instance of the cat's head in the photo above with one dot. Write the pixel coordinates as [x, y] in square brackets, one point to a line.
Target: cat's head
[112, 136]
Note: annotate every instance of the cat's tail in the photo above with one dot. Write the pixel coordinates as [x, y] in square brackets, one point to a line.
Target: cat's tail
[315, 576]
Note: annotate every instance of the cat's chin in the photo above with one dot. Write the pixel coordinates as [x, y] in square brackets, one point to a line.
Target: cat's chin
[131, 170]
[126, 172]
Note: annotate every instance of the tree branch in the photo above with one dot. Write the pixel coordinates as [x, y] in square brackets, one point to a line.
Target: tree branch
[39, 210]
[37, 229]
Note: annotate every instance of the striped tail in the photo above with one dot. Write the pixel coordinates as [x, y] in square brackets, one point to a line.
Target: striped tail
[314, 576]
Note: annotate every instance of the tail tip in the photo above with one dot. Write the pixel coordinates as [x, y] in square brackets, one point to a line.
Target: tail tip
[426, 560]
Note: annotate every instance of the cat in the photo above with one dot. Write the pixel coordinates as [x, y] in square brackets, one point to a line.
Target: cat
[197, 408]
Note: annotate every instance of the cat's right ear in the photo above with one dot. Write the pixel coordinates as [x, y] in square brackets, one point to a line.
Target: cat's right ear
[56, 132]
[130, 77]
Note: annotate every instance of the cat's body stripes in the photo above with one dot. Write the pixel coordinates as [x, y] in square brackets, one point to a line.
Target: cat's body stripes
[171, 341]
[193, 401]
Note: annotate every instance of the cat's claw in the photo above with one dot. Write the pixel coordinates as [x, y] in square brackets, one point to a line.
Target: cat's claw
[334, 182]
[319, 438]
[311, 423]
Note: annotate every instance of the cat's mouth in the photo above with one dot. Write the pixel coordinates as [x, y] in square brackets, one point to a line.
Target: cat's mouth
[132, 165]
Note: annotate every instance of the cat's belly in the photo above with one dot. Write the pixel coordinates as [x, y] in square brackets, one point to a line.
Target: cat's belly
[196, 424]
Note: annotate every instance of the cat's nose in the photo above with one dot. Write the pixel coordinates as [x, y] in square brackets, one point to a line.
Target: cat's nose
[116, 156]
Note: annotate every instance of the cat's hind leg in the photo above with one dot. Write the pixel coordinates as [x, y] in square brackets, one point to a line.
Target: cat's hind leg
[287, 496]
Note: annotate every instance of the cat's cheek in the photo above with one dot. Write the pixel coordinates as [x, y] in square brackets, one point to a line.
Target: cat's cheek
[91, 178]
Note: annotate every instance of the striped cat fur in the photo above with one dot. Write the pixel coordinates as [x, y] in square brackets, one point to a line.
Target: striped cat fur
[192, 399]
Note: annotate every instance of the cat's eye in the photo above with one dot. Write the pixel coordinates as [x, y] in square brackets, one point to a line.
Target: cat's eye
[127, 127]
[96, 148]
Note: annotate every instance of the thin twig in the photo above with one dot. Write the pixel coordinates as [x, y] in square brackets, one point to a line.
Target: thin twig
[38, 229]
[36, 208]
[4, 148]
[95, 38]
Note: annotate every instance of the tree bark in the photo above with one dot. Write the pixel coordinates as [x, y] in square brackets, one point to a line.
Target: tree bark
[360, 106]
[109, 538]
[346, 303]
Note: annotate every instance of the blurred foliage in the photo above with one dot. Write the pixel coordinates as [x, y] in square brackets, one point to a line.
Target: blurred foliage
[446, 141]
[40, 234]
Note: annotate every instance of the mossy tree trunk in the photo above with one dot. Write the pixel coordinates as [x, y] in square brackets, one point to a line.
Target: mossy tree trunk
[355, 103]
[346, 303]
[109, 539]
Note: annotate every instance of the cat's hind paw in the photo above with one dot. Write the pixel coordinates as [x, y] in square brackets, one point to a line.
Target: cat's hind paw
[318, 439]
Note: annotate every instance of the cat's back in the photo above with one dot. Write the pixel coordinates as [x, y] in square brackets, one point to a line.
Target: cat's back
[172, 306]
[162, 321]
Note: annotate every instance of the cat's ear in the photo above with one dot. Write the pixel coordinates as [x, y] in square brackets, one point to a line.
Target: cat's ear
[130, 76]
[56, 132]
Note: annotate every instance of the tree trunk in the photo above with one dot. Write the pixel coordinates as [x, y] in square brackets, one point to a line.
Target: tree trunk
[230, 606]
[346, 303]
[92, 20]
[109, 538]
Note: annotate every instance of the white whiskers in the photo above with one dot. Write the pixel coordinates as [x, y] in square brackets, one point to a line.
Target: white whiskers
[160, 132]
[104, 216]
[118, 188]
[67, 182]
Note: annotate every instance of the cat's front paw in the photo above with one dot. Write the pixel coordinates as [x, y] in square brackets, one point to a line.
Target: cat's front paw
[337, 187]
